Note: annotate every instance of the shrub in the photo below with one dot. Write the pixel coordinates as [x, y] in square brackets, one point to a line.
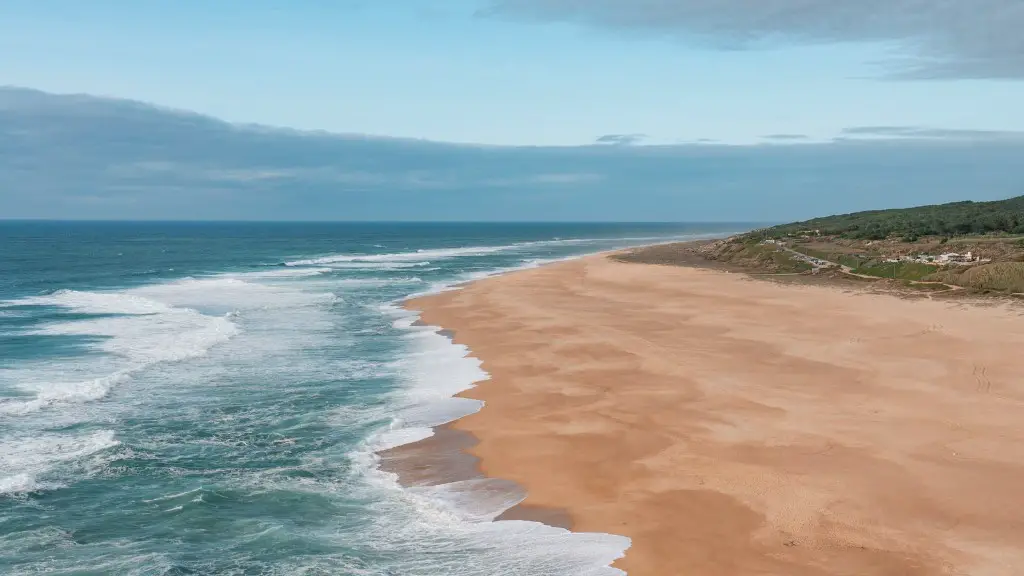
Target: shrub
[998, 276]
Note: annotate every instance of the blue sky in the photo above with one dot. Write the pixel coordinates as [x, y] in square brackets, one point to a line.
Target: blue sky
[744, 110]
[528, 72]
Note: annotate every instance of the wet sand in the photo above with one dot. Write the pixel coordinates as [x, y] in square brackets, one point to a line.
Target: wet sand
[735, 427]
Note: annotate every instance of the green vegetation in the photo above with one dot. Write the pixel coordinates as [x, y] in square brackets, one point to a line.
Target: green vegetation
[785, 263]
[898, 270]
[753, 254]
[841, 258]
[873, 266]
[991, 233]
[998, 276]
[956, 219]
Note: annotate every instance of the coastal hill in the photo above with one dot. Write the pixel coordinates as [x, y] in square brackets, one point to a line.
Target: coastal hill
[961, 247]
[953, 219]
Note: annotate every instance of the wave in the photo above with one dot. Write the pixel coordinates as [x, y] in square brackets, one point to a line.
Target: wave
[465, 278]
[122, 335]
[48, 394]
[24, 459]
[414, 256]
[376, 265]
[434, 370]
[129, 332]
[411, 258]
[230, 293]
[284, 327]
[95, 302]
[376, 282]
[125, 332]
[289, 273]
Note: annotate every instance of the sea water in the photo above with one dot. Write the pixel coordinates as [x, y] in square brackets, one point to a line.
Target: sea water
[209, 398]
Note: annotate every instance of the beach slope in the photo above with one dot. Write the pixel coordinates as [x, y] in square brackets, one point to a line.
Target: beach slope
[732, 426]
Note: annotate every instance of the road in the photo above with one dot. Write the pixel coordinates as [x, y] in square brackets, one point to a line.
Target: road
[819, 264]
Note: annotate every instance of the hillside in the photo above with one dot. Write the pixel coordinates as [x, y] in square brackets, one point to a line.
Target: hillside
[947, 220]
[977, 246]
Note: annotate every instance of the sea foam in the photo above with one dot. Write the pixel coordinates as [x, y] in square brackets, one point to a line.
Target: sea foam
[415, 256]
[130, 332]
[267, 394]
[24, 458]
[435, 369]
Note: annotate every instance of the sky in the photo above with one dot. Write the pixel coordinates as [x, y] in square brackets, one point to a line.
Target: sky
[539, 72]
[82, 157]
[571, 110]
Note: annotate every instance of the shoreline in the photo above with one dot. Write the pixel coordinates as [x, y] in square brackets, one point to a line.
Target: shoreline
[546, 425]
[446, 457]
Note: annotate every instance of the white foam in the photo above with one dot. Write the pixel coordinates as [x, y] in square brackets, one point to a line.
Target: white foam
[397, 260]
[274, 312]
[435, 370]
[228, 293]
[476, 500]
[20, 483]
[171, 335]
[289, 273]
[399, 435]
[376, 282]
[465, 278]
[414, 256]
[130, 330]
[23, 459]
[52, 393]
[173, 496]
[459, 516]
[140, 327]
[376, 265]
[96, 302]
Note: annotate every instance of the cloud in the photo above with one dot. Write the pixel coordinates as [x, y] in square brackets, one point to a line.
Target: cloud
[545, 180]
[936, 38]
[785, 137]
[621, 139]
[932, 133]
[81, 157]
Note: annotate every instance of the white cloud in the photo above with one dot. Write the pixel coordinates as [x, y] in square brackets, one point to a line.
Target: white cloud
[940, 38]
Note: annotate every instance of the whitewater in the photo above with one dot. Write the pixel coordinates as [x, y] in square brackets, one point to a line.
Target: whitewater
[210, 399]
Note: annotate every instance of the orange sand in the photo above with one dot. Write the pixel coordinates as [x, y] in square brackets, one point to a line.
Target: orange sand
[737, 427]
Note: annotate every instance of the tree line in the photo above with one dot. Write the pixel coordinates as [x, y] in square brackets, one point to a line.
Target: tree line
[948, 220]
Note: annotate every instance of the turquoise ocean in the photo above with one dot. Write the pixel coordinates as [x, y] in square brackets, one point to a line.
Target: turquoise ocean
[208, 398]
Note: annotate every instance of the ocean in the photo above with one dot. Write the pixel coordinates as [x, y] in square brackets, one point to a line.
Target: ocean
[208, 398]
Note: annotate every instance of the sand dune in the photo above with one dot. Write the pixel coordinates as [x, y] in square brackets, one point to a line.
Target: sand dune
[738, 427]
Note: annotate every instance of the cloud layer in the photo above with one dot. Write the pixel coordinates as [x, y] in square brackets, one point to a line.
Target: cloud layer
[621, 139]
[82, 157]
[934, 38]
[933, 133]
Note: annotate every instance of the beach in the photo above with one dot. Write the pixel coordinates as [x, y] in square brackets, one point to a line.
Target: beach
[729, 425]
[241, 393]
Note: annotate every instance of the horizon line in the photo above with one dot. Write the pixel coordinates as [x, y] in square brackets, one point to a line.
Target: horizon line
[441, 222]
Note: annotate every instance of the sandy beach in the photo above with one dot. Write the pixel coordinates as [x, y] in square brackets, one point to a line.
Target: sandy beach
[731, 426]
